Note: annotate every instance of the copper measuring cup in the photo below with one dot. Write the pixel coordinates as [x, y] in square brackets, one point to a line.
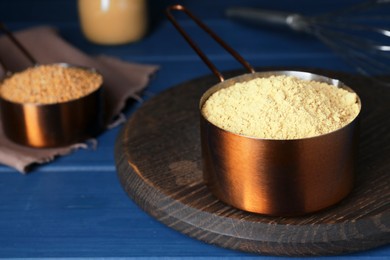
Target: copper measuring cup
[51, 125]
[273, 177]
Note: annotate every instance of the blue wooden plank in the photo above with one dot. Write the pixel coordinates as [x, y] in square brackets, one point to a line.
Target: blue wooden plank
[86, 214]
[80, 214]
[247, 40]
[65, 10]
[74, 206]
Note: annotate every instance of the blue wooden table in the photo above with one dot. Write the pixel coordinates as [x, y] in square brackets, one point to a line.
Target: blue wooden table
[74, 206]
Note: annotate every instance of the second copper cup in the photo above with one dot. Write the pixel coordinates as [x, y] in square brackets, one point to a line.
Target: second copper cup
[273, 177]
[56, 124]
[278, 177]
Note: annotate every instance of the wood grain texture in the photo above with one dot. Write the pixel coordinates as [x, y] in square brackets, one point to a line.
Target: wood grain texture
[158, 161]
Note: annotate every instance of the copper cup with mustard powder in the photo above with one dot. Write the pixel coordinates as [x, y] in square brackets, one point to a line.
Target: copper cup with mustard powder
[37, 121]
[278, 177]
[275, 176]
[50, 105]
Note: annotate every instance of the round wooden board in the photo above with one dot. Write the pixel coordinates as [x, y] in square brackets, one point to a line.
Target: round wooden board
[158, 161]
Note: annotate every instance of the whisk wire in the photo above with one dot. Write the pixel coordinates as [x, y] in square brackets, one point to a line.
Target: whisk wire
[360, 42]
[359, 33]
[361, 38]
[352, 53]
[356, 9]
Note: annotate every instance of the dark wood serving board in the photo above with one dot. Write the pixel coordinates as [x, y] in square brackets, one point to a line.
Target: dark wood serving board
[158, 162]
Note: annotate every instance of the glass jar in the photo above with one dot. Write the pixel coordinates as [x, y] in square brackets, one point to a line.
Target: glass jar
[113, 21]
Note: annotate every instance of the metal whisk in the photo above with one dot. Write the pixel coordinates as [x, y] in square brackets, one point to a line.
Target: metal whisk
[359, 33]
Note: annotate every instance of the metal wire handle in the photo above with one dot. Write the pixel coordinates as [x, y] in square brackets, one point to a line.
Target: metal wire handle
[17, 43]
[4, 70]
[212, 67]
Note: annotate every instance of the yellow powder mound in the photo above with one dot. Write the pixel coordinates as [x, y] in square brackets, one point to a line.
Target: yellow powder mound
[48, 84]
[281, 107]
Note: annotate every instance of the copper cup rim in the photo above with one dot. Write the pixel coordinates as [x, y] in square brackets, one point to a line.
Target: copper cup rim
[313, 76]
[69, 102]
[47, 109]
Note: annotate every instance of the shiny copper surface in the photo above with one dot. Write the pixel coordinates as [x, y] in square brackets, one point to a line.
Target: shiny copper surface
[278, 177]
[52, 125]
[273, 177]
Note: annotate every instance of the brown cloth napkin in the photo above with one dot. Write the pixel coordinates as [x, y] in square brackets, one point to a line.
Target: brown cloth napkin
[122, 80]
